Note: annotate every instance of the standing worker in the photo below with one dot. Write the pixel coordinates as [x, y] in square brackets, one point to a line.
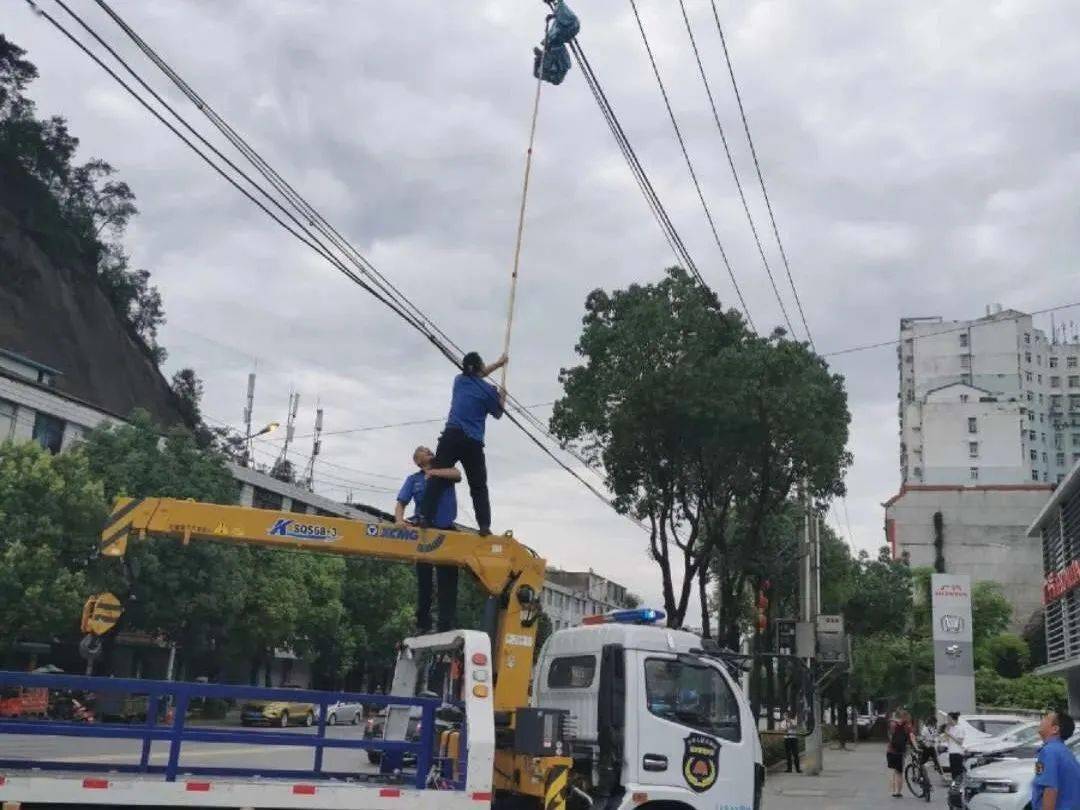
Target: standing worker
[954, 744]
[790, 726]
[1057, 773]
[445, 513]
[472, 401]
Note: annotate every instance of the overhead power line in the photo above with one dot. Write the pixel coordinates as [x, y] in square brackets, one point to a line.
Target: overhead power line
[690, 168]
[734, 172]
[761, 178]
[896, 341]
[381, 289]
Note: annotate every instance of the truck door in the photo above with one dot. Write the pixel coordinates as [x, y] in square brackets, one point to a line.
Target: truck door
[695, 743]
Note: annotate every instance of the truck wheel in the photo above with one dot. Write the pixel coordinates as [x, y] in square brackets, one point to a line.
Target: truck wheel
[374, 757]
[283, 722]
[331, 720]
[356, 719]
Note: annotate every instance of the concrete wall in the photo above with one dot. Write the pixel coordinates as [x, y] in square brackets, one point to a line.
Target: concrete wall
[985, 532]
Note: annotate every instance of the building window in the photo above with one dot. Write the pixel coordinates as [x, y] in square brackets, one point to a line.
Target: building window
[1055, 401]
[1031, 435]
[963, 340]
[1053, 361]
[917, 472]
[1038, 359]
[1027, 337]
[1043, 437]
[1040, 396]
[973, 425]
[963, 397]
[49, 432]
[1034, 475]
[1039, 378]
[965, 361]
[1061, 459]
[298, 506]
[1027, 357]
[911, 395]
[1046, 460]
[1055, 382]
[1076, 457]
[1030, 397]
[1027, 376]
[1074, 381]
[1070, 362]
[973, 472]
[1074, 402]
[1076, 438]
[1045, 476]
[265, 499]
[7, 420]
[1061, 477]
[973, 449]
[1034, 455]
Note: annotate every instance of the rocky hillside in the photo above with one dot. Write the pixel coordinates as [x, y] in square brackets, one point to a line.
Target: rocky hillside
[52, 311]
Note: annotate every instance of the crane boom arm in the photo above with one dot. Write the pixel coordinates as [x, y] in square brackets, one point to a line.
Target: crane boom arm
[507, 570]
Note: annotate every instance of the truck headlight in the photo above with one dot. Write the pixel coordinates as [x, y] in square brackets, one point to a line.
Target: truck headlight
[1003, 786]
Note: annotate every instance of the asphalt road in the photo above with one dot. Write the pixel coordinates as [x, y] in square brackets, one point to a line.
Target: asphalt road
[99, 753]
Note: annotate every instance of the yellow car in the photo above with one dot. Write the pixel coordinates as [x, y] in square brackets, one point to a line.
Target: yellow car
[277, 712]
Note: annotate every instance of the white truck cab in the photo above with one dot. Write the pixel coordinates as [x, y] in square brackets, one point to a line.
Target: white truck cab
[657, 722]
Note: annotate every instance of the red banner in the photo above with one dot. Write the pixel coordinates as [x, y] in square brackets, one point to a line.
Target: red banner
[1059, 583]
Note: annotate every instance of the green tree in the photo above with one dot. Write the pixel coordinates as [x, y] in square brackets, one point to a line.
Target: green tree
[880, 598]
[51, 509]
[1007, 654]
[696, 421]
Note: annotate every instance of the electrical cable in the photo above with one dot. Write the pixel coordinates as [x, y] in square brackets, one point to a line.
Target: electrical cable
[735, 173]
[761, 178]
[690, 167]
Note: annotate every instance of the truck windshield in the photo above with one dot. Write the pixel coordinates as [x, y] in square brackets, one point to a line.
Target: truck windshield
[694, 695]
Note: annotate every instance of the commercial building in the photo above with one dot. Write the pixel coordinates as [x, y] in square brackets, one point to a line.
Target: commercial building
[569, 596]
[989, 414]
[1057, 528]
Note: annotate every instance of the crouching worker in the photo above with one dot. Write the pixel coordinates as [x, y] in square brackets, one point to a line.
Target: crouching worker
[444, 515]
[472, 401]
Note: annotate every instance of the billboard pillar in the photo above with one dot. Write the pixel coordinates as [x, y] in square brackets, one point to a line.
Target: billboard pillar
[954, 659]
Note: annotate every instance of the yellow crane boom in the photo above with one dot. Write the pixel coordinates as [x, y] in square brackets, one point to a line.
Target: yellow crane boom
[509, 572]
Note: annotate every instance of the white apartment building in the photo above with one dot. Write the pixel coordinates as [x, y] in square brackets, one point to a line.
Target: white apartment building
[987, 401]
[989, 423]
[569, 596]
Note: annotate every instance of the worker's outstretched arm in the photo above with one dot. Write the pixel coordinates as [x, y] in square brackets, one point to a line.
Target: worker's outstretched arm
[449, 473]
[399, 513]
[502, 361]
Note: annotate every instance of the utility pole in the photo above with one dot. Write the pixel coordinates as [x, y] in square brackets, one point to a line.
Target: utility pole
[290, 428]
[810, 604]
[247, 419]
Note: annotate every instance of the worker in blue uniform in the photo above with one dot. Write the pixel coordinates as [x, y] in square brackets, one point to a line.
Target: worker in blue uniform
[412, 491]
[1057, 772]
[472, 401]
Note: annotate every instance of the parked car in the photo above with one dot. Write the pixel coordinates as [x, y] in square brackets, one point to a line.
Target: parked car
[1020, 738]
[980, 728]
[344, 712]
[1002, 785]
[277, 712]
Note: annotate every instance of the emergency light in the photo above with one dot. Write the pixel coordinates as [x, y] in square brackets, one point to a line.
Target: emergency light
[635, 616]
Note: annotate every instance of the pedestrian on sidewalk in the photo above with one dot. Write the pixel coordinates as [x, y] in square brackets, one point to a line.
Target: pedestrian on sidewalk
[901, 735]
[929, 735]
[790, 726]
[954, 745]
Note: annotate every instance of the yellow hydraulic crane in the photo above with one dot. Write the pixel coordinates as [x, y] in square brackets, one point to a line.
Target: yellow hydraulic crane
[510, 573]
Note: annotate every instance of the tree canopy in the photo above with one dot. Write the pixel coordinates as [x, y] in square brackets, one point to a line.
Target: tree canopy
[703, 429]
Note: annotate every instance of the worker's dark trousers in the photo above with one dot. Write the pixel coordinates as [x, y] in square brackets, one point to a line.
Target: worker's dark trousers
[447, 576]
[791, 750]
[455, 446]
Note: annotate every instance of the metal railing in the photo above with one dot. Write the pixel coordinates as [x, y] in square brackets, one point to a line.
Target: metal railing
[179, 696]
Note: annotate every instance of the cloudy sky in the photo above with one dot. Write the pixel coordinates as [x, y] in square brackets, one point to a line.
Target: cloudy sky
[921, 159]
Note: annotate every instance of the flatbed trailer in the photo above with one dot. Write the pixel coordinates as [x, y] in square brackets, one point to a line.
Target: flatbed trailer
[440, 777]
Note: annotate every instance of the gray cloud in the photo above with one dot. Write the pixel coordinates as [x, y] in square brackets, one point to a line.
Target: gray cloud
[921, 160]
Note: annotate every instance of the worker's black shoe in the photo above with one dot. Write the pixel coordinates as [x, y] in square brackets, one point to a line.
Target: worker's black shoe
[485, 531]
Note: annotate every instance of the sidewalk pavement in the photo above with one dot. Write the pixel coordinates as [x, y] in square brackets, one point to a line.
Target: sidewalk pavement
[851, 779]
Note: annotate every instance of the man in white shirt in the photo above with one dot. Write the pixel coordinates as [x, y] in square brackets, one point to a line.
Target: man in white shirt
[954, 742]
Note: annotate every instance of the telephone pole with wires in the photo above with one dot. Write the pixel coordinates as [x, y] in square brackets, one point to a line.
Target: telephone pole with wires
[281, 465]
[246, 461]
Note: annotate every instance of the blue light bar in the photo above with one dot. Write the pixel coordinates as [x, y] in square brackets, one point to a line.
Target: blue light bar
[633, 616]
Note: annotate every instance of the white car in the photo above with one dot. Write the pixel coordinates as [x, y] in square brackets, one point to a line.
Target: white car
[1019, 738]
[980, 728]
[1004, 785]
[340, 713]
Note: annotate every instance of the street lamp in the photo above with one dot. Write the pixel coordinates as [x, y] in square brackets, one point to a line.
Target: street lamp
[237, 441]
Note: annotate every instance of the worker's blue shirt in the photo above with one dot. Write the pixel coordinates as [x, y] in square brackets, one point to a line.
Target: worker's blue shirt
[473, 399]
[1056, 767]
[412, 491]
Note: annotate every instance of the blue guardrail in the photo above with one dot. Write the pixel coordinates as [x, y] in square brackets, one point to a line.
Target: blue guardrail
[179, 695]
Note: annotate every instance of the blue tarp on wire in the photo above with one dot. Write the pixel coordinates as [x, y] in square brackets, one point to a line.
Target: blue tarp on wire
[564, 26]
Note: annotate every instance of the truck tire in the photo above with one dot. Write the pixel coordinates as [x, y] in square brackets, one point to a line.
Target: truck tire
[332, 719]
[374, 757]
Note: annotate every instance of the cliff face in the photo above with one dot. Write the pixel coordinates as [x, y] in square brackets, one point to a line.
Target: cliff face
[52, 311]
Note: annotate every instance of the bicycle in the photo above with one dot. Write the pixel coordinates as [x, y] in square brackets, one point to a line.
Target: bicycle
[916, 778]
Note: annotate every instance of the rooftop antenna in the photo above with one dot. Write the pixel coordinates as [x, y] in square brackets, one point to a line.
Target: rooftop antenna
[246, 460]
[316, 446]
[290, 429]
